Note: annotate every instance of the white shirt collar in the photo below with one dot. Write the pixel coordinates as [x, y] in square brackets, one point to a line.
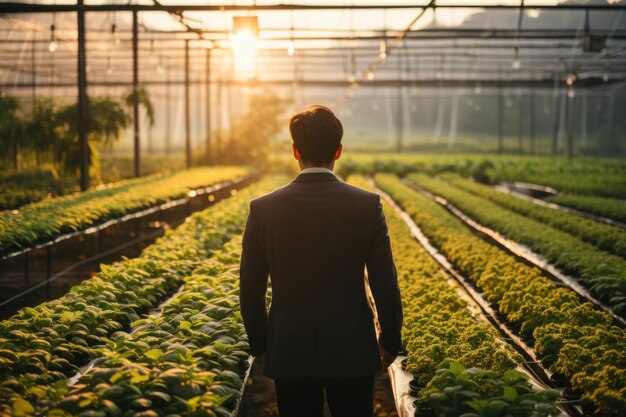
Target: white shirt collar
[316, 170]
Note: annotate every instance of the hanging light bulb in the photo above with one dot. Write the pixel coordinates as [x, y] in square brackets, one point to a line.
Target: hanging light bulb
[53, 45]
[383, 49]
[571, 79]
[516, 64]
[477, 89]
[605, 77]
[116, 36]
[153, 58]
[370, 75]
[291, 48]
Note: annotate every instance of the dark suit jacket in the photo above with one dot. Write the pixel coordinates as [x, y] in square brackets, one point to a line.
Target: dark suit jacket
[314, 238]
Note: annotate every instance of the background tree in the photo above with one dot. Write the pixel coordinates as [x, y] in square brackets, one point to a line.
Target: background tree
[107, 118]
[43, 131]
[250, 138]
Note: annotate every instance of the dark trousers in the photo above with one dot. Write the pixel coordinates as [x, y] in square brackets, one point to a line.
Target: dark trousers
[353, 397]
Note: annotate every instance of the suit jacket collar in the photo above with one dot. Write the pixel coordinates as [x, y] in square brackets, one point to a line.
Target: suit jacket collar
[316, 176]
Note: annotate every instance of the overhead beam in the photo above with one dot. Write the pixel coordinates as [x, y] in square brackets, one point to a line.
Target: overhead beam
[422, 83]
[12, 7]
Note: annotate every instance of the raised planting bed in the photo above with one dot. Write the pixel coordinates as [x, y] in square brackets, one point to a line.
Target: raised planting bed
[606, 237]
[440, 326]
[571, 337]
[598, 271]
[192, 359]
[611, 208]
[42, 222]
[42, 347]
[46, 271]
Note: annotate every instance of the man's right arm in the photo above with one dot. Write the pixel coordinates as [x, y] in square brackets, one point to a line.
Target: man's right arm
[253, 286]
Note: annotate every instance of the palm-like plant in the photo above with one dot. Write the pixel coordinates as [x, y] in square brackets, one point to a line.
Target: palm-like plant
[144, 100]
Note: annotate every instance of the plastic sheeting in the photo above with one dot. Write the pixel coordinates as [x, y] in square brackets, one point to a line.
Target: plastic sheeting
[400, 384]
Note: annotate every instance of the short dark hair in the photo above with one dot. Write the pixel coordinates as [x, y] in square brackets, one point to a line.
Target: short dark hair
[317, 133]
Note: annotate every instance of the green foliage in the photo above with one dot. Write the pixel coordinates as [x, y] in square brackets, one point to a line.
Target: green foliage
[46, 219]
[601, 272]
[249, 140]
[50, 133]
[29, 185]
[585, 176]
[106, 119]
[571, 337]
[44, 131]
[144, 100]
[612, 208]
[186, 361]
[10, 124]
[459, 392]
[609, 238]
[438, 325]
[41, 347]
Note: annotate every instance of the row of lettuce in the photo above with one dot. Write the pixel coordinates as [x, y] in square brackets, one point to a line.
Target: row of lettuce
[48, 218]
[567, 241]
[572, 338]
[449, 346]
[597, 186]
[42, 347]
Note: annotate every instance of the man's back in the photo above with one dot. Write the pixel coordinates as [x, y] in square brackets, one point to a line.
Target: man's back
[316, 235]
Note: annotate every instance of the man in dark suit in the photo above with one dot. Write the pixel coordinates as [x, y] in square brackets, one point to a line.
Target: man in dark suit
[314, 237]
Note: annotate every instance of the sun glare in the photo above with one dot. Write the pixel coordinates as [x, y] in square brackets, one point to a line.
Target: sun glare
[244, 46]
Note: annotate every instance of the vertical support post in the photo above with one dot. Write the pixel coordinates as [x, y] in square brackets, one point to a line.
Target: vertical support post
[208, 107]
[187, 115]
[168, 116]
[82, 100]
[219, 119]
[520, 127]
[531, 114]
[137, 148]
[399, 121]
[500, 121]
[569, 102]
[33, 91]
[555, 124]
[614, 145]
[583, 118]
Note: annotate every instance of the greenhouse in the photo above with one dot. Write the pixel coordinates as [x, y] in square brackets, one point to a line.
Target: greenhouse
[138, 137]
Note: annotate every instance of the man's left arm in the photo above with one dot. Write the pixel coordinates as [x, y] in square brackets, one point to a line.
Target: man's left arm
[383, 281]
[253, 286]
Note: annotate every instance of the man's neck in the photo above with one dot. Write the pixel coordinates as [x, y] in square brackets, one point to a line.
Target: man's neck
[306, 165]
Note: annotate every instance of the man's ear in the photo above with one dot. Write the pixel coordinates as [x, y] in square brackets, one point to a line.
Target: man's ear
[338, 152]
[296, 153]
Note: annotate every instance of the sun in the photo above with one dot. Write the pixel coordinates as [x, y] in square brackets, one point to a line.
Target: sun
[244, 46]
